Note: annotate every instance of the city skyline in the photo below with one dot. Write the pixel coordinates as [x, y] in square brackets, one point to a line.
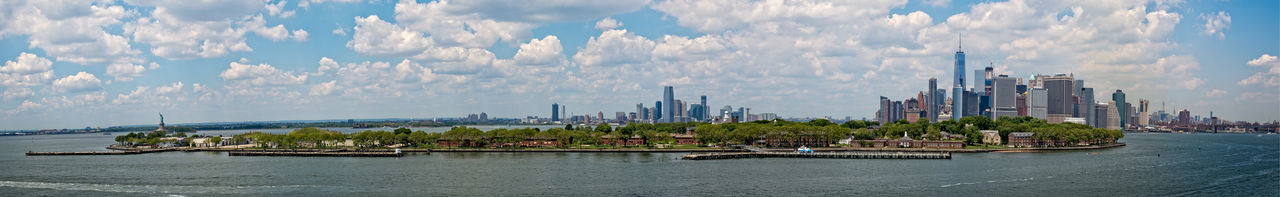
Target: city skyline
[122, 62]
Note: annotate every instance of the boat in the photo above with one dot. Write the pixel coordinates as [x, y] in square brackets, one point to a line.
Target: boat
[106, 133]
[804, 149]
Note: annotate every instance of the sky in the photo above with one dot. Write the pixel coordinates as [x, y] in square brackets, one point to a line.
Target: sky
[77, 63]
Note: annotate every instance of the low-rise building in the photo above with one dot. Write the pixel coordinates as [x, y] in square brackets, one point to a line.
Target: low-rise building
[991, 137]
[1021, 139]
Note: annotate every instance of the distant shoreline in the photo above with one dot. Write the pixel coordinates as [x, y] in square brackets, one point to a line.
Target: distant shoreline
[637, 150]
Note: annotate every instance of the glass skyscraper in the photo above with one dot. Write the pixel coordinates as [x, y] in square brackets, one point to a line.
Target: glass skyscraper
[957, 97]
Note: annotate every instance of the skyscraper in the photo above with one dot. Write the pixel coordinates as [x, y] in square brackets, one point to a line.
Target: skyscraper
[639, 111]
[957, 90]
[1118, 98]
[668, 114]
[705, 112]
[884, 113]
[1143, 118]
[930, 101]
[657, 112]
[1088, 107]
[1060, 90]
[555, 112]
[1037, 100]
[1004, 97]
[1113, 116]
[1080, 109]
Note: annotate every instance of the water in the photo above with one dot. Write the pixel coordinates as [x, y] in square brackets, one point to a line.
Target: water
[1151, 165]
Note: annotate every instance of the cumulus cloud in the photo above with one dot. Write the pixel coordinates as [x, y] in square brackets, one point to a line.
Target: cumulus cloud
[259, 75]
[25, 71]
[325, 88]
[376, 37]
[608, 23]
[1268, 78]
[614, 47]
[79, 82]
[277, 9]
[546, 51]
[18, 93]
[71, 31]
[383, 78]
[125, 71]
[160, 96]
[1215, 24]
[201, 29]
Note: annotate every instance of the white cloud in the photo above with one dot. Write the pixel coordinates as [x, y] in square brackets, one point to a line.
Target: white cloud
[70, 31]
[1216, 24]
[125, 71]
[608, 23]
[325, 88]
[201, 29]
[26, 71]
[300, 35]
[277, 9]
[379, 38]
[614, 47]
[18, 93]
[546, 51]
[307, 3]
[242, 75]
[159, 96]
[339, 31]
[937, 3]
[79, 82]
[361, 79]
[1268, 78]
[1215, 93]
[1264, 60]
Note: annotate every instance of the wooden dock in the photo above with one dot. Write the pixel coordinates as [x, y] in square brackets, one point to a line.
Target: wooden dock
[824, 155]
[318, 153]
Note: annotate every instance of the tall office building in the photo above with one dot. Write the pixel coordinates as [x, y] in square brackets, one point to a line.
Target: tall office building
[1060, 98]
[657, 112]
[1004, 97]
[1088, 106]
[668, 114]
[1143, 118]
[1080, 109]
[989, 82]
[957, 90]
[1037, 103]
[1118, 98]
[932, 100]
[1113, 116]
[971, 106]
[705, 112]
[555, 112]
[639, 111]
[884, 113]
[1100, 115]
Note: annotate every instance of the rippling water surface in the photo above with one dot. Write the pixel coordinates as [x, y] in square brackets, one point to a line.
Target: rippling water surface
[1151, 165]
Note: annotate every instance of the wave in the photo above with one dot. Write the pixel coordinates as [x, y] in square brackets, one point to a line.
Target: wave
[157, 189]
[995, 181]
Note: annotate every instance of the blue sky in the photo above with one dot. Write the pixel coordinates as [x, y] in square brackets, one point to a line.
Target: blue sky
[71, 64]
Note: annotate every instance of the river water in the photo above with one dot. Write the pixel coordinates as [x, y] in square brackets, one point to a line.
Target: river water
[1151, 165]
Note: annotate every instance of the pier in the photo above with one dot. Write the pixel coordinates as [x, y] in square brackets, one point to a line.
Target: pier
[319, 153]
[123, 152]
[824, 155]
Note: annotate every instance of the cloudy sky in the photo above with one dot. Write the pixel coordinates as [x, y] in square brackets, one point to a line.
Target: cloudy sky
[76, 63]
